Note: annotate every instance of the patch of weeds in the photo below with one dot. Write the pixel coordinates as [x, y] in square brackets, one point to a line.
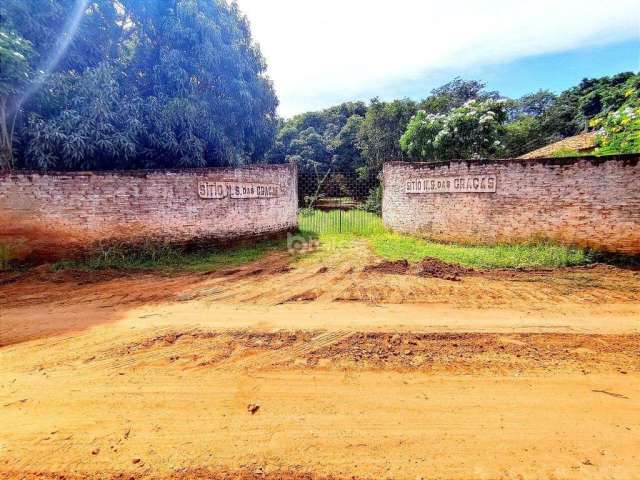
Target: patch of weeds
[393, 246]
[9, 258]
[4, 257]
[171, 257]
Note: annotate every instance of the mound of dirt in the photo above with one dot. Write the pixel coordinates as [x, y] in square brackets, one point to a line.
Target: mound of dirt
[398, 267]
[429, 267]
[432, 267]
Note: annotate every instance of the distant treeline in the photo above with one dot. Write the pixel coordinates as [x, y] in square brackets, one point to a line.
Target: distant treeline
[461, 120]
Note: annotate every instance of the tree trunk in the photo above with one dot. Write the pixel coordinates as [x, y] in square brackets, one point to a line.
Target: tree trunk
[6, 138]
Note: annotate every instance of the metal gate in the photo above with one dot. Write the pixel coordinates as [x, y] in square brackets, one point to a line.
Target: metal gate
[338, 202]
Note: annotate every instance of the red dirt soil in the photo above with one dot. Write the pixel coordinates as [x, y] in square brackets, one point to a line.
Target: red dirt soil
[320, 370]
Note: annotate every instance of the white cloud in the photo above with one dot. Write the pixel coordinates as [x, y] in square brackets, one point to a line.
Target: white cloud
[335, 49]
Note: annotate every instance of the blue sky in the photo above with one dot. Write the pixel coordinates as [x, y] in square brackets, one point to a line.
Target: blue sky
[320, 53]
[556, 72]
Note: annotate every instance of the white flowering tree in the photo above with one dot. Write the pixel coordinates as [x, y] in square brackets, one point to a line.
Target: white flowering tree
[470, 131]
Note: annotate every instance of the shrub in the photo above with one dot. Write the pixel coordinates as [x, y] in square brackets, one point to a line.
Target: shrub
[620, 131]
[374, 201]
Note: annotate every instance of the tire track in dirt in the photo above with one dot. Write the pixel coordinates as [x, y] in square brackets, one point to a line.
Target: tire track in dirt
[273, 358]
[171, 349]
[193, 348]
[256, 473]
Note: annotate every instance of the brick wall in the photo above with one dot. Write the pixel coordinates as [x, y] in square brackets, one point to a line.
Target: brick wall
[53, 215]
[590, 202]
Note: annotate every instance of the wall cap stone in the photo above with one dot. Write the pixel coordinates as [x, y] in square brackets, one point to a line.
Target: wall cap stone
[141, 173]
[630, 159]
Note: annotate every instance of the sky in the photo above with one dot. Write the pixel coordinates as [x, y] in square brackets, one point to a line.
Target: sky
[323, 52]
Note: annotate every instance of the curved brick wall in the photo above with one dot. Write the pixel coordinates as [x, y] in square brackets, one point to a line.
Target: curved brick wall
[590, 202]
[53, 215]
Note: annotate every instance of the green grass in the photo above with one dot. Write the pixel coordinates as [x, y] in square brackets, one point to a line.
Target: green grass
[337, 232]
[167, 257]
[349, 222]
[393, 246]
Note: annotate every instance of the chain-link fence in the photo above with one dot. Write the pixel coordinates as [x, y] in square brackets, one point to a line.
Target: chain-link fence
[337, 202]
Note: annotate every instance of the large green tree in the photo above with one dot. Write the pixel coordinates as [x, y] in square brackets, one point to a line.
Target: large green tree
[49, 25]
[455, 94]
[527, 129]
[593, 97]
[379, 135]
[323, 145]
[202, 76]
[15, 75]
[470, 131]
[321, 141]
[142, 85]
[542, 118]
[58, 39]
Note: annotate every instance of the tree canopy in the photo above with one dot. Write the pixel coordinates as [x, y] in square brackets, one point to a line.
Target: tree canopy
[142, 85]
[106, 84]
[472, 130]
[619, 129]
[321, 140]
[459, 120]
[379, 137]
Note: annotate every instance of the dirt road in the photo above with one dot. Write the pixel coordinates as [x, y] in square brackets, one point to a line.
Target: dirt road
[320, 370]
